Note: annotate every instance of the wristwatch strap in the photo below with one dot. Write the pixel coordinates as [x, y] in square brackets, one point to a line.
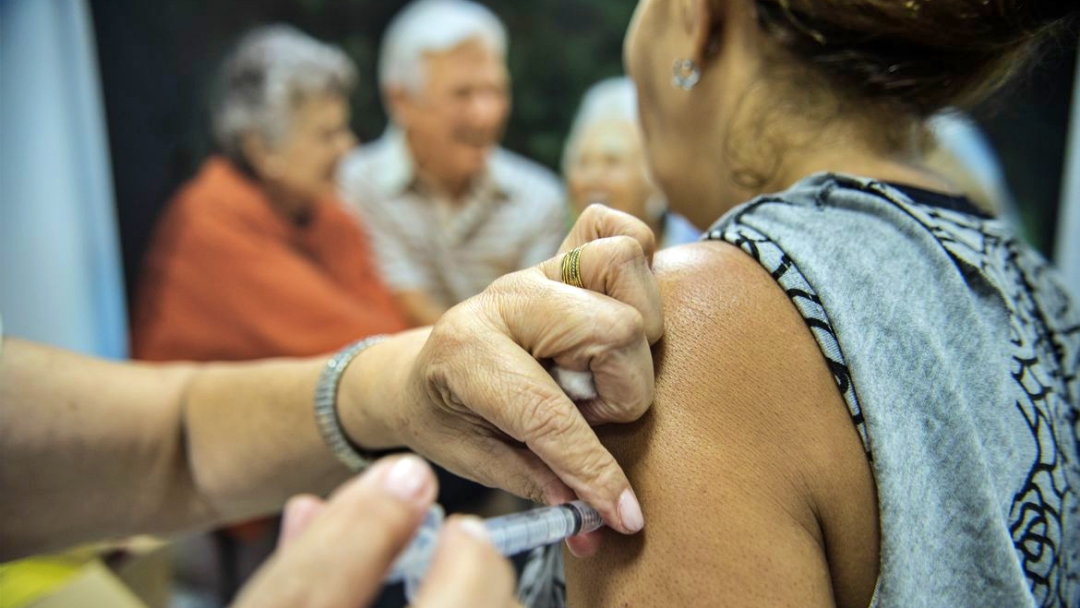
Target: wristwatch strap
[326, 417]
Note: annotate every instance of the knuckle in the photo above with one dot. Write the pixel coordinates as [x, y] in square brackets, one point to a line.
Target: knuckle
[620, 411]
[507, 283]
[594, 213]
[508, 296]
[628, 248]
[632, 411]
[454, 343]
[623, 327]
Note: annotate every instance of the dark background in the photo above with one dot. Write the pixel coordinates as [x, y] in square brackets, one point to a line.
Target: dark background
[158, 60]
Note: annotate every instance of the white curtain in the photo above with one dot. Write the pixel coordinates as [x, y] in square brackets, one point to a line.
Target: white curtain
[60, 272]
[1068, 229]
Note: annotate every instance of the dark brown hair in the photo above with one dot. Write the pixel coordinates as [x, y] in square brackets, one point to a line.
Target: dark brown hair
[919, 55]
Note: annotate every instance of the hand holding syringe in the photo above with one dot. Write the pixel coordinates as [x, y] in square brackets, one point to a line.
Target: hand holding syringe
[510, 534]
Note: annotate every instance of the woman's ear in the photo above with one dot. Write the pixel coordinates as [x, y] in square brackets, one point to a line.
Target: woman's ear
[260, 156]
[705, 21]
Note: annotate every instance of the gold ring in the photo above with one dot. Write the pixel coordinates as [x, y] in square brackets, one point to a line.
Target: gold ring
[571, 267]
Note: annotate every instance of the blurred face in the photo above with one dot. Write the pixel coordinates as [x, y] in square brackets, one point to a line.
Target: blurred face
[609, 168]
[302, 164]
[454, 123]
[318, 138]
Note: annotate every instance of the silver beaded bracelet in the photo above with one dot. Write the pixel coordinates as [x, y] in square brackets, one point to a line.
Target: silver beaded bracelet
[326, 417]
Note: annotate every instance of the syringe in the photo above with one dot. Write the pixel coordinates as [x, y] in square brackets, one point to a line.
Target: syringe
[510, 534]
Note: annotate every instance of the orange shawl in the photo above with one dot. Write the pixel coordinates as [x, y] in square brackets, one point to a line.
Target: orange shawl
[227, 278]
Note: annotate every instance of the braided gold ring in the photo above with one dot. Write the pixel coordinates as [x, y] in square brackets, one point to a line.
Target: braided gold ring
[571, 267]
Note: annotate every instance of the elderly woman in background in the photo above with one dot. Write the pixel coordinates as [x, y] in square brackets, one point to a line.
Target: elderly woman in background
[255, 257]
[604, 162]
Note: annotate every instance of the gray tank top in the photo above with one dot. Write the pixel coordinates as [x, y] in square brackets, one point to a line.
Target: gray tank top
[957, 352]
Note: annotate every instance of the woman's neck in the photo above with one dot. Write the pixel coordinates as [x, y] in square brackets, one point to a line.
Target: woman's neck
[726, 193]
[849, 157]
[883, 169]
[294, 209]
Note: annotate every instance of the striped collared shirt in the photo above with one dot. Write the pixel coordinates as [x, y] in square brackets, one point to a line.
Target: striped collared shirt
[513, 217]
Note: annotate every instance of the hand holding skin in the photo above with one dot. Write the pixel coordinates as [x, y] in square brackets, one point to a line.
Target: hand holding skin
[480, 404]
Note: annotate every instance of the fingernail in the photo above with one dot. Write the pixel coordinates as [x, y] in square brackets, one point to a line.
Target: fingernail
[290, 521]
[298, 514]
[407, 478]
[630, 512]
[474, 527]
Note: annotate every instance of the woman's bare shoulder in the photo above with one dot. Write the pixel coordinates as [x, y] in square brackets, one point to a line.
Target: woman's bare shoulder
[742, 461]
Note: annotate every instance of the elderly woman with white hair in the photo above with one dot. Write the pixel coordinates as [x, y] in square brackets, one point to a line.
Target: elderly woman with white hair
[604, 162]
[255, 257]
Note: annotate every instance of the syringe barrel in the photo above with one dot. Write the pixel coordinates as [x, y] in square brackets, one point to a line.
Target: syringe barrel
[510, 534]
[519, 532]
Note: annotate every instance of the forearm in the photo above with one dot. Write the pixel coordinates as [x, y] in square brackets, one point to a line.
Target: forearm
[251, 432]
[90, 449]
[251, 439]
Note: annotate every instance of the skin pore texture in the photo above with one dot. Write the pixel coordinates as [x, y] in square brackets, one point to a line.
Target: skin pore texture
[751, 475]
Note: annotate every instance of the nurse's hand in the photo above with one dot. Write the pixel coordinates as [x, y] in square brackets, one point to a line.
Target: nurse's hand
[336, 554]
[475, 394]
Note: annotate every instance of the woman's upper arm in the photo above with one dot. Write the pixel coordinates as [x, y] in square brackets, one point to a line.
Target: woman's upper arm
[746, 463]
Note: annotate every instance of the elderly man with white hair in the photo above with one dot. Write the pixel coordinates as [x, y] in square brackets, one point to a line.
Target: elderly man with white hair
[449, 210]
